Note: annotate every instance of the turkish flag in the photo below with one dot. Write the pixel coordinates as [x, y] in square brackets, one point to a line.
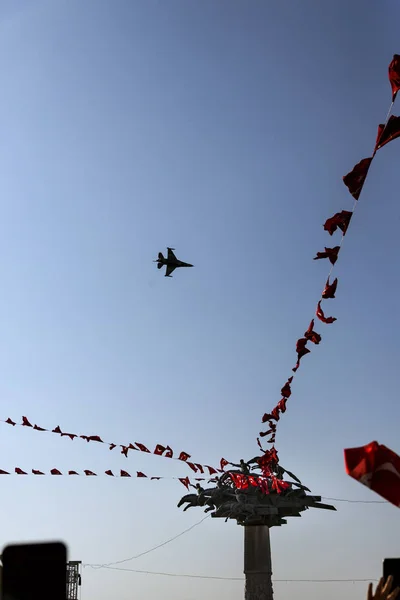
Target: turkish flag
[377, 467]
[394, 75]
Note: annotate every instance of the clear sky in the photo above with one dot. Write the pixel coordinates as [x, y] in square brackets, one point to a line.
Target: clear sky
[221, 128]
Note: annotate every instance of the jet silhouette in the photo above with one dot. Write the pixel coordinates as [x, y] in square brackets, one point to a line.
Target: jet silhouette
[171, 262]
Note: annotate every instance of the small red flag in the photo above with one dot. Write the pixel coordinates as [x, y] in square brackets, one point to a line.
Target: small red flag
[112, 446]
[10, 422]
[301, 351]
[274, 414]
[211, 470]
[110, 473]
[282, 407]
[320, 314]
[223, 462]
[200, 468]
[142, 447]
[377, 467]
[95, 438]
[356, 178]
[184, 456]
[157, 478]
[125, 474]
[185, 481]
[25, 422]
[330, 253]
[394, 75]
[192, 466]
[39, 428]
[388, 133]
[169, 452]
[140, 474]
[330, 289]
[56, 430]
[159, 449]
[4, 472]
[36, 472]
[84, 437]
[55, 472]
[20, 471]
[124, 451]
[70, 435]
[312, 335]
[72, 473]
[286, 390]
[89, 473]
[341, 220]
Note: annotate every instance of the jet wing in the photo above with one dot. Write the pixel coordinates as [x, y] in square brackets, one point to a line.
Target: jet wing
[169, 270]
[171, 255]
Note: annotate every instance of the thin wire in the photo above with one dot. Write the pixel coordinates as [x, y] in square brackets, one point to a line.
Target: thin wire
[355, 501]
[118, 562]
[190, 576]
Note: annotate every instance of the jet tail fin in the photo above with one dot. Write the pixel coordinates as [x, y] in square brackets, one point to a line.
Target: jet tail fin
[159, 265]
[160, 256]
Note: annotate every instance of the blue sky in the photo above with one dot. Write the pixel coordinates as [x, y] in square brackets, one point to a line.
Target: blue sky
[222, 129]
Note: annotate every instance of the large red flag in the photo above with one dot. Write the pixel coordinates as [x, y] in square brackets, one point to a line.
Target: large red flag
[388, 133]
[377, 467]
[394, 75]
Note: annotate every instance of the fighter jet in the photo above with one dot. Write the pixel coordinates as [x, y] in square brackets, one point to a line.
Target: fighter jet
[171, 262]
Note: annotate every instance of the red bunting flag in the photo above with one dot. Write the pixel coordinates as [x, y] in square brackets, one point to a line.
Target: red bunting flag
[388, 133]
[36, 472]
[4, 472]
[110, 473]
[112, 446]
[211, 470]
[55, 472]
[140, 474]
[330, 289]
[301, 351]
[56, 429]
[185, 481]
[286, 390]
[340, 220]
[169, 453]
[184, 456]
[312, 335]
[282, 407]
[330, 253]
[70, 435]
[25, 422]
[192, 466]
[37, 428]
[159, 449]
[10, 422]
[20, 471]
[377, 467]
[394, 75]
[320, 314]
[89, 473]
[356, 178]
[124, 474]
[72, 473]
[141, 447]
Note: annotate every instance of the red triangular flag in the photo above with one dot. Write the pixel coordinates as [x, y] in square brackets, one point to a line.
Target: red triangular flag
[394, 75]
[341, 220]
[211, 470]
[10, 422]
[185, 481]
[110, 473]
[356, 178]
[55, 472]
[89, 473]
[320, 314]
[388, 133]
[4, 472]
[169, 452]
[95, 438]
[56, 430]
[377, 467]
[25, 422]
[159, 449]
[36, 472]
[20, 471]
[330, 253]
[312, 335]
[140, 474]
[330, 289]
[184, 456]
[124, 474]
[223, 462]
[39, 428]
[141, 447]
[72, 473]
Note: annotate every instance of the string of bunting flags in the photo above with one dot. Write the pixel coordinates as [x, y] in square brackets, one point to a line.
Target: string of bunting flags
[88, 473]
[159, 450]
[354, 181]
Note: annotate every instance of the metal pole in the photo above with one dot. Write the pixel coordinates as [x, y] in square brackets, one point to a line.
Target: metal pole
[257, 563]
